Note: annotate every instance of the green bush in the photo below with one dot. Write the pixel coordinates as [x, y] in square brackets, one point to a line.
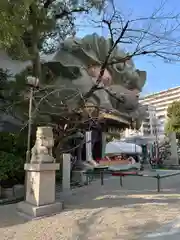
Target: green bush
[12, 158]
[10, 166]
[13, 143]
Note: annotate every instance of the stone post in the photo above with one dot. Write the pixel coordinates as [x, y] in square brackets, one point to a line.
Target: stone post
[103, 143]
[174, 153]
[66, 172]
[88, 147]
[40, 178]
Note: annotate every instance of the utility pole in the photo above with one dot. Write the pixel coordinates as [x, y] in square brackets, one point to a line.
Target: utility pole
[33, 83]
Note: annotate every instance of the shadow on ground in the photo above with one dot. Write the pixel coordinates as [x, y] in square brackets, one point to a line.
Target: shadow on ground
[114, 200]
[134, 190]
[150, 210]
[95, 196]
[9, 216]
[133, 233]
[142, 206]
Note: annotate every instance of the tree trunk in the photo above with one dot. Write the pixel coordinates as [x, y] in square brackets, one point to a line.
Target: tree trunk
[36, 62]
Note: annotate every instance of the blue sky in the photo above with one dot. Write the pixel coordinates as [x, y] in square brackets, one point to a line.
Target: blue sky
[160, 75]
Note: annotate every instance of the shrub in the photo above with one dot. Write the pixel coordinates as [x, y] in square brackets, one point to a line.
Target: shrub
[12, 158]
[13, 143]
[10, 167]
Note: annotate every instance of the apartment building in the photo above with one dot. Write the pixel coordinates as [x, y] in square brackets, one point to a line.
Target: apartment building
[160, 101]
[149, 127]
[150, 124]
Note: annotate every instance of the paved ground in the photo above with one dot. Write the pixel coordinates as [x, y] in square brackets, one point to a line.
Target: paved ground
[103, 213]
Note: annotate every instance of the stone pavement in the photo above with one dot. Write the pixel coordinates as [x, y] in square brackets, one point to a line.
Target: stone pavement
[96, 212]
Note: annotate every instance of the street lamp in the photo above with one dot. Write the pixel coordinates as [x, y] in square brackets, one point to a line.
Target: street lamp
[33, 83]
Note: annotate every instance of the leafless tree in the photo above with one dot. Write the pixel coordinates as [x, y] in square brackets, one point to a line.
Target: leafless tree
[156, 35]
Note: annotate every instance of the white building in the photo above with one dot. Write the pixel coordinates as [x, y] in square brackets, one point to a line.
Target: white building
[149, 126]
[161, 101]
[150, 123]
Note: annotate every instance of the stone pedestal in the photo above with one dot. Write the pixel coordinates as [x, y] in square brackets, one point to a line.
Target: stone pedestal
[40, 190]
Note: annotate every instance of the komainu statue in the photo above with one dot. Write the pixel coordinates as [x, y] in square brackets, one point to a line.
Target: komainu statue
[42, 150]
[76, 68]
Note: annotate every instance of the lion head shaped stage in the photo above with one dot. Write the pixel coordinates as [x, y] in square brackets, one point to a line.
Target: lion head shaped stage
[76, 67]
